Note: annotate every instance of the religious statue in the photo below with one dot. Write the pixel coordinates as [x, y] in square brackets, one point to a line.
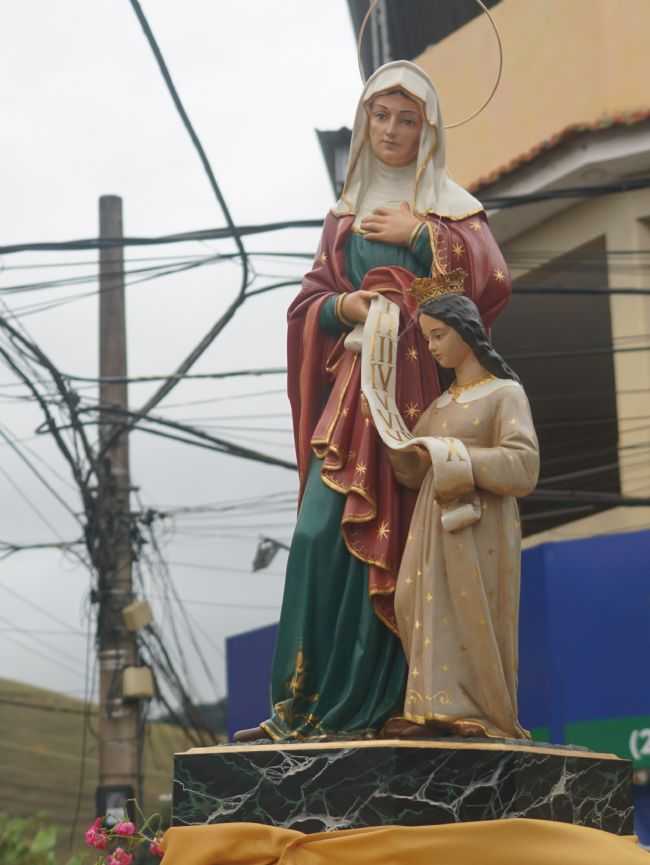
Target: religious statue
[457, 596]
[339, 667]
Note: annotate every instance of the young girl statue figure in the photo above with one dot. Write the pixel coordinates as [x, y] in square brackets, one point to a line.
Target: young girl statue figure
[457, 595]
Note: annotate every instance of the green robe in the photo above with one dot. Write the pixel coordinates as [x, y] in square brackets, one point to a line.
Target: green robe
[337, 669]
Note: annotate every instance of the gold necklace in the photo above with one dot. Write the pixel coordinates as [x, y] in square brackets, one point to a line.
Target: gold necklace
[455, 389]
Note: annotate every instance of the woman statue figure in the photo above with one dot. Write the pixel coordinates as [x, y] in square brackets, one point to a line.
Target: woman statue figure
[339, 666]
[457, 596]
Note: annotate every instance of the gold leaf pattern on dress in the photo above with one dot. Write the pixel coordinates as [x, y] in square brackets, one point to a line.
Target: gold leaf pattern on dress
[297, 681]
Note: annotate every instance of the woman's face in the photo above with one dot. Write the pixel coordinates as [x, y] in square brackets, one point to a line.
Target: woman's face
[395, 124]
[446, 346]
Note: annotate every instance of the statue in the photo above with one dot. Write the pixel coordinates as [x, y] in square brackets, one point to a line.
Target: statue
[457, 594]
[339, 668]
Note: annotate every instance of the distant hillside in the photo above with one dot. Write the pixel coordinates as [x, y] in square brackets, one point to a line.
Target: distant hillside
[40, 757]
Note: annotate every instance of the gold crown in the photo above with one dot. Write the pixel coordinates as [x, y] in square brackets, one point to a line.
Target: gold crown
[438, 285]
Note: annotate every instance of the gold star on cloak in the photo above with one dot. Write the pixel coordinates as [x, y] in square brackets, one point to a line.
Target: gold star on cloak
[499, 275]
[383, 531]
[458, 249]
[475, 225]
[412, 353]
[361, 469]
[412, 411]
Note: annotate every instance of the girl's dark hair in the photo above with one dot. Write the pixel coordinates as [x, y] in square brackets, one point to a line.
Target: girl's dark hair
[461, 314]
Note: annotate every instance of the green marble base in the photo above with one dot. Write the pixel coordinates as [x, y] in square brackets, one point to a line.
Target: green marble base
[323, 786]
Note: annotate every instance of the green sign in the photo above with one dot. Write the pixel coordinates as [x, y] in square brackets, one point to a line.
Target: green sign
[626, 737]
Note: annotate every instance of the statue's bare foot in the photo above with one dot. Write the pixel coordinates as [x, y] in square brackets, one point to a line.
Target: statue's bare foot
[252, 734]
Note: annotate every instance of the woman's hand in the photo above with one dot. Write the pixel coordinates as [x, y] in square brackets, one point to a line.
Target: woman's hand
[355, 305]
[390, 225]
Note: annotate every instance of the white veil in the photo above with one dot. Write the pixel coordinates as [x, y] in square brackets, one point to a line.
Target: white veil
[434, 191]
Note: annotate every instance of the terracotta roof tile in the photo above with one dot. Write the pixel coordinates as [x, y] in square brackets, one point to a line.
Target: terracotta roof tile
[567, 134]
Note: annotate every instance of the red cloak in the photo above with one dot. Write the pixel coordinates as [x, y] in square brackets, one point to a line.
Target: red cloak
[324, 384]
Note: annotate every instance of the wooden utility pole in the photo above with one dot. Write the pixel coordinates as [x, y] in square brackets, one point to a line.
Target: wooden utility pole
[119, 721]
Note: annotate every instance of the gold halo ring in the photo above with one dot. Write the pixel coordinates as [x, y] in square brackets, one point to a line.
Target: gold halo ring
[371, 8]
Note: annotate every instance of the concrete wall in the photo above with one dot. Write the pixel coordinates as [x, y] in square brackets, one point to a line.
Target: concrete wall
[566, 62]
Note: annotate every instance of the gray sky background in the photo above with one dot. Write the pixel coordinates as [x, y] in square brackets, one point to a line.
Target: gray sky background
[85, 113]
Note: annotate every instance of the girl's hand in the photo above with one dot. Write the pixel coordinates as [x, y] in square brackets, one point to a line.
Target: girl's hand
[356, 304]
[390, 225]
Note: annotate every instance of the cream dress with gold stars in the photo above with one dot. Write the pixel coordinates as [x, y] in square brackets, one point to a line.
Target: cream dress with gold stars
[457, 599]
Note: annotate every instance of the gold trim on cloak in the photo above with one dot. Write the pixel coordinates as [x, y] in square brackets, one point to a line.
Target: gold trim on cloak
[322, 448]
[344, 390]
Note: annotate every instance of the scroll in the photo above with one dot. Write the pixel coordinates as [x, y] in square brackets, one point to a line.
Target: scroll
[450, 460]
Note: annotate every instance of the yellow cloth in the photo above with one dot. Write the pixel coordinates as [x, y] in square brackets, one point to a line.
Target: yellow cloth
[491, 842]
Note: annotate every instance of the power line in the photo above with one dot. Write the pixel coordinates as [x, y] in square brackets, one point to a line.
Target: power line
[42, 610]
[234, 231]
[236, 373]
[31, 504]
[36, 472]
[490, 203]
[37, 639]
[48, 657]
[227, 605]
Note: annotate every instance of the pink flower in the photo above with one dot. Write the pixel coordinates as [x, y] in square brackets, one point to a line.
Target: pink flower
[126, 828]
[101, 841]
[120, 857]
[155, 848]
[96, 836]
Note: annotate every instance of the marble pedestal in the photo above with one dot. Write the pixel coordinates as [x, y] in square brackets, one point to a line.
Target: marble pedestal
[315, 787]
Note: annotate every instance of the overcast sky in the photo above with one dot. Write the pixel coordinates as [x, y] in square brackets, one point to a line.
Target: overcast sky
[85, 113]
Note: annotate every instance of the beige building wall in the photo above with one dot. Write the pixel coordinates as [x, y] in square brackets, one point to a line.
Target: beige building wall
[624, 221]
[566, 62]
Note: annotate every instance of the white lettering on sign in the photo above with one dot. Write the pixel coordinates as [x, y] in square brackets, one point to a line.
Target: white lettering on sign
[640, 743]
